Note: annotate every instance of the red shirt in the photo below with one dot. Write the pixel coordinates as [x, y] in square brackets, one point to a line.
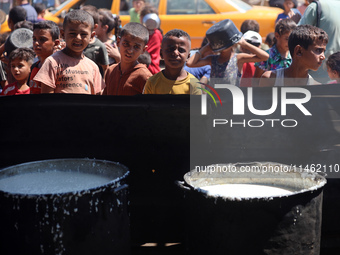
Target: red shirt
[34, 85]
[154, 49]
[248, 72]
[12, 89]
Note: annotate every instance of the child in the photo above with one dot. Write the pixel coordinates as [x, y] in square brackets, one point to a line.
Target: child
[202, 73]
[107, 23]
[228, 64]
[20, 61]
[45, 41]
[128, 77]
[333, 67]
[145, 59]
[68, 70]
[307, 45]
[96, 50]
[279, 56]
[289, 11]
[41, 10]
[138, 5]
[173, 79]
[155, 40]
[15, 15]
[270, 39]
[248, 68]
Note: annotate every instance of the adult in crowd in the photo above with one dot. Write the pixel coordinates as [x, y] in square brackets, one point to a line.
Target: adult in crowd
[31, 12]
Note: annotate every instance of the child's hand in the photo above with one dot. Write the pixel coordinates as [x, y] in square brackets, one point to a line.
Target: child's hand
[113, 51]
[206, 51]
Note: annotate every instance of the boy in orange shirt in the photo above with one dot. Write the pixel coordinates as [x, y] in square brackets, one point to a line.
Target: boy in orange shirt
[20, 61]
[68, 70]
[128, 77]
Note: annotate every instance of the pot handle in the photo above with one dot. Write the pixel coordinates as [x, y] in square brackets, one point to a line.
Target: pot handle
[116, 190]
[182, 185]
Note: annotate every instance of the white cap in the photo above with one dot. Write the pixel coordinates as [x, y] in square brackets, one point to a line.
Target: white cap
[253, 37]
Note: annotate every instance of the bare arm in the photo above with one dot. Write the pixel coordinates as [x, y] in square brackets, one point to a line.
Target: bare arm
[256, 55]
[201, 58]
[46, 89]
[257, 75]
[267, 79]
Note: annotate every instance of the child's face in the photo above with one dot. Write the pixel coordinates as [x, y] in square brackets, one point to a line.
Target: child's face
[138, 5]
[20, 69]
[100, 30]
[333, 75]
[282, 40]
[77, 36]
[130, 48]
[175, 51]
[314, 55]
[43, 44]
[288, 4]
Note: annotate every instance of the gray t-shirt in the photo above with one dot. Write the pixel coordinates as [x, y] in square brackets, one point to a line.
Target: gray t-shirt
[97, 52]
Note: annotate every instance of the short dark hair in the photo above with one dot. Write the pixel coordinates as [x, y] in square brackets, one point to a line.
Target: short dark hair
[39, 7]
[333, 62]
[306, 35]
[50, 26]
[106, 18]
[111, 20]
[250, 24]
[177, 33]
[145, 58]
[17, 14]
[79, 17]
[284, 25]
[270, 39]
[25, 54]
[147, 10]
[137, 30]
[93, 12]
[24, 24]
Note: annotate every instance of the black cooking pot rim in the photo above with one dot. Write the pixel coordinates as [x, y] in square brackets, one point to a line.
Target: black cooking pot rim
[112, 183]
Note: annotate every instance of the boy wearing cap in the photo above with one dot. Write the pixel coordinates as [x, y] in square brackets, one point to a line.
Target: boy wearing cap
[173, 79]
[248, 69]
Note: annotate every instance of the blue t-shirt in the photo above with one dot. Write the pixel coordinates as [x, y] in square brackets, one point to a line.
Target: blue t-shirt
[199, 72]
[284, 16]
[31, 13]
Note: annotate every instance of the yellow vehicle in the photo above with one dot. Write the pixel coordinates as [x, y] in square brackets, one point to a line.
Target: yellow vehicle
[193, 16]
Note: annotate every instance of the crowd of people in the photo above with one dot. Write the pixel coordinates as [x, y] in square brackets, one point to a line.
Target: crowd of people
[92, 54]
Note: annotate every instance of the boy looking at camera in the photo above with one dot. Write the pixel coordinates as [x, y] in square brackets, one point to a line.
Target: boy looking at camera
[20, 61]
[45, 42]
[128, 77]
[68, 70]
[173, 79]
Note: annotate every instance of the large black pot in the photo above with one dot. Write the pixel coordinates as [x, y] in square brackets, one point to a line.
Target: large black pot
[286, 224]
[91, 221]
